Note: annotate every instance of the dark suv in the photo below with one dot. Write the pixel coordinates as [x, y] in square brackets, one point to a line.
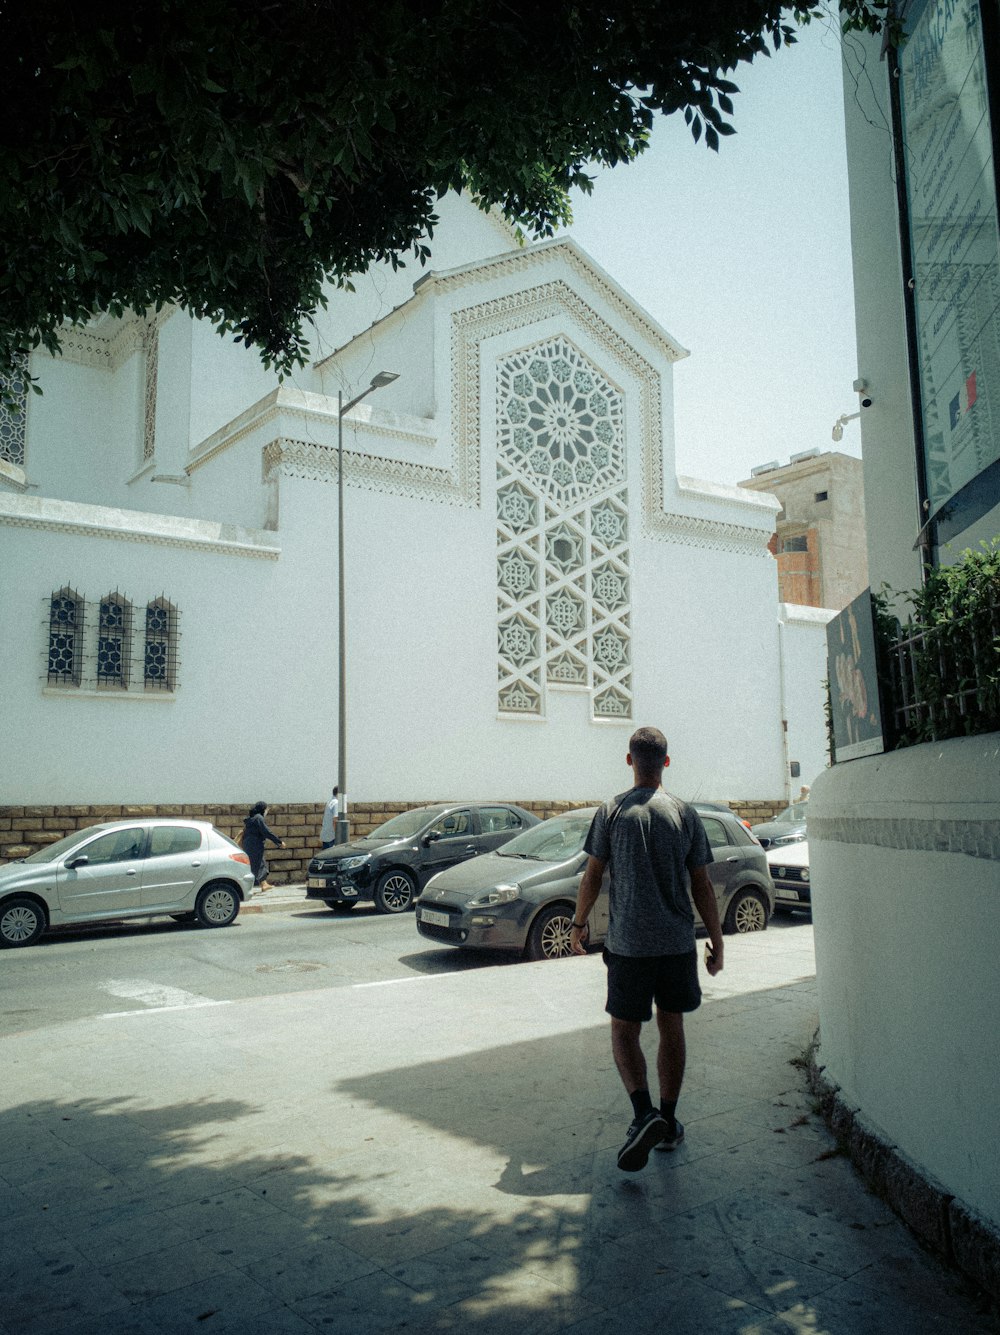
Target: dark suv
[392, 863]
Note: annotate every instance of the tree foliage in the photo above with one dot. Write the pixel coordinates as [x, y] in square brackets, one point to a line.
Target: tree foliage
[235, 158]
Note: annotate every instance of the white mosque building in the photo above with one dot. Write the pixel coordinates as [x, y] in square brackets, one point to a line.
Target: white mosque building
[527, 578]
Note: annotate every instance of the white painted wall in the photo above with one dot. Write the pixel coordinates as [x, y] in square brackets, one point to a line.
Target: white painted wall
[904, 851]
[64, 747]
[906, 953]
[802, 632]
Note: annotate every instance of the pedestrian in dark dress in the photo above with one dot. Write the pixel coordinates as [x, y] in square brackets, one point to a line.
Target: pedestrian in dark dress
[255, 832]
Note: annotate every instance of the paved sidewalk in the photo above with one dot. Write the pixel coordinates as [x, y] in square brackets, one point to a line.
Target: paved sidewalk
[280, 899]
[437, 1153]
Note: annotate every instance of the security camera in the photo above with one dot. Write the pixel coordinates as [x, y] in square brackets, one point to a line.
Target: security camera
[862, 390]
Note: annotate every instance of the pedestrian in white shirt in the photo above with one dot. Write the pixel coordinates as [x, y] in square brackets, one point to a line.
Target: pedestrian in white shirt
[328, 834]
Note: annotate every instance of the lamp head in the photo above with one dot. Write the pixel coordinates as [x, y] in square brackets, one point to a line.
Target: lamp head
[384, 378]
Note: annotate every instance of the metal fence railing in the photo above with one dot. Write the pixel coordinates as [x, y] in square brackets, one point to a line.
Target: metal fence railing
[944, 679]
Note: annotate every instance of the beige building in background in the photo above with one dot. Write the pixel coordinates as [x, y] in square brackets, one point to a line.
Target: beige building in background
[819, 539]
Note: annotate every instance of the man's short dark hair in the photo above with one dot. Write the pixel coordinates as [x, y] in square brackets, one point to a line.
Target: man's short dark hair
[648, 749]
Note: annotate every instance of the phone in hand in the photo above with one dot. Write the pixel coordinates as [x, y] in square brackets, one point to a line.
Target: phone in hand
[709, 954]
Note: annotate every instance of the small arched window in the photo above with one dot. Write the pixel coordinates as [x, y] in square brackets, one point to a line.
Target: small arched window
[160, 657]
[65, 657]
[114, 641]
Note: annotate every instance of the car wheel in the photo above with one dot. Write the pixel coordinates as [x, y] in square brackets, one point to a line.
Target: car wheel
[217, 905]
[394, 892]
[21, 922]
[341, 905]
[549, 935]
[747, 912]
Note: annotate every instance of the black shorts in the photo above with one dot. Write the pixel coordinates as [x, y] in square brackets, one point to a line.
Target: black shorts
[635, 982]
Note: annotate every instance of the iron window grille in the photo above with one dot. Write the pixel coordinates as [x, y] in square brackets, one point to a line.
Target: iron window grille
[67, 618]
[160, 670]
[98, 647]
[114, 642]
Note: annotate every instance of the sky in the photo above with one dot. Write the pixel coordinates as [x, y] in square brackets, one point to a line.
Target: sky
[744, 258]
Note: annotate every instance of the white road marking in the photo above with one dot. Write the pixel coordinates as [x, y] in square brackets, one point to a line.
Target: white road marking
[161, 1010]
[389, 982]
[154, 996]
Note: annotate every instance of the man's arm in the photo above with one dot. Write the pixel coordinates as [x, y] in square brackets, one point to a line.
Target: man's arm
[704, 901]
[586, 898]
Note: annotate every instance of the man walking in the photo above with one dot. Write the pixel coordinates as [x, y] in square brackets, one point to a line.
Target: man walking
[658, 853]
[328, 833]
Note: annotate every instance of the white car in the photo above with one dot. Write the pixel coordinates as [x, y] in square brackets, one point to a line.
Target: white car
[185, 869]
[789, 866]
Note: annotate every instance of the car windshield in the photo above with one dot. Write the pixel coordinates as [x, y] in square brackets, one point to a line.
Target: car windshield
[406, 824]
[53, 852]
[793, 815]
[552, 841]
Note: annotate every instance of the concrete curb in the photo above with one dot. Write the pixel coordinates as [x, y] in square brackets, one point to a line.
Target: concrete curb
[282, 899]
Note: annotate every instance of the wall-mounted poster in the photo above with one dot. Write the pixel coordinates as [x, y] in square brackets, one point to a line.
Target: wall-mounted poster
[951, 187]
[854, 692]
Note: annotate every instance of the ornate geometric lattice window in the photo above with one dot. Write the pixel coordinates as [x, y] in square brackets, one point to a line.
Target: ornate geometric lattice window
[114, 641]
[14, 414]
[65, 651]
[151, 349]
[160, 665]
[562, 533]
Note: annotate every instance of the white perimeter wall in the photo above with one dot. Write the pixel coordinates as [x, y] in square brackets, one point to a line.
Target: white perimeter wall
[906, 922]
[906, 952]
[200, 745]
[255, 710]
[802, 632]
[422, 656]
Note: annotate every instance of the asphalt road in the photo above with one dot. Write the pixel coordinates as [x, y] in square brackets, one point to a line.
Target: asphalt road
[161, 965]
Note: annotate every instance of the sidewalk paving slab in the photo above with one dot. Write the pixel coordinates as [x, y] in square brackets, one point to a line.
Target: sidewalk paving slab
[437, 1154]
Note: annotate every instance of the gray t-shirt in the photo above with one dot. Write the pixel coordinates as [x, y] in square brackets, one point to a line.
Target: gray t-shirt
[652, 840]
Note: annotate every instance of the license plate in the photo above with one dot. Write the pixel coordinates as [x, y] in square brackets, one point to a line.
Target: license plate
[781, 893]
[434, 918]
[317, 883]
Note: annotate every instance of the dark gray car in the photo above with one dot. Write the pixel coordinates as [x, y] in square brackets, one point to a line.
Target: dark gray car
[788, 827]
[522, 897]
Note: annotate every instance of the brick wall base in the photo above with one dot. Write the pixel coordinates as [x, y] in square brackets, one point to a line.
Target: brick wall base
[959, 1236]
[24, 829]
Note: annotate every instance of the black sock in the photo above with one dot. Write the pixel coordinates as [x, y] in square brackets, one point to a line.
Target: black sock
[641, 1102]
[669, 1111]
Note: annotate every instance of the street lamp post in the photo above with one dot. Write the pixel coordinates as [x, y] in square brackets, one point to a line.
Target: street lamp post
[343, 826]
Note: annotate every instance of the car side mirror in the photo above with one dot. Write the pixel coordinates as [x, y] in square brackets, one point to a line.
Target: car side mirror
[81, 861]
[431, 837]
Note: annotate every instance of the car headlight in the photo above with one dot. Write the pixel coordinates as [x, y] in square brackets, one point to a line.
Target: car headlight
[500, 894]
[804, 873]
[349, 864]
[789, 839]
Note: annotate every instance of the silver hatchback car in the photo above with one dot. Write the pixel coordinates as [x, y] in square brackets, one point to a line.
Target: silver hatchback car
[185, 869]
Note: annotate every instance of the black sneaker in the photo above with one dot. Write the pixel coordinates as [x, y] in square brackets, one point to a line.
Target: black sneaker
[672, 1140]
[643, 1134]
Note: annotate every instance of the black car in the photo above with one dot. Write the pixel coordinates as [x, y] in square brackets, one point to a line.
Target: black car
[392, 863]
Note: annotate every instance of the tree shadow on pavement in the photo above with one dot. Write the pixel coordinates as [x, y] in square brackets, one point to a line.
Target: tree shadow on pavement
[472, 1191]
